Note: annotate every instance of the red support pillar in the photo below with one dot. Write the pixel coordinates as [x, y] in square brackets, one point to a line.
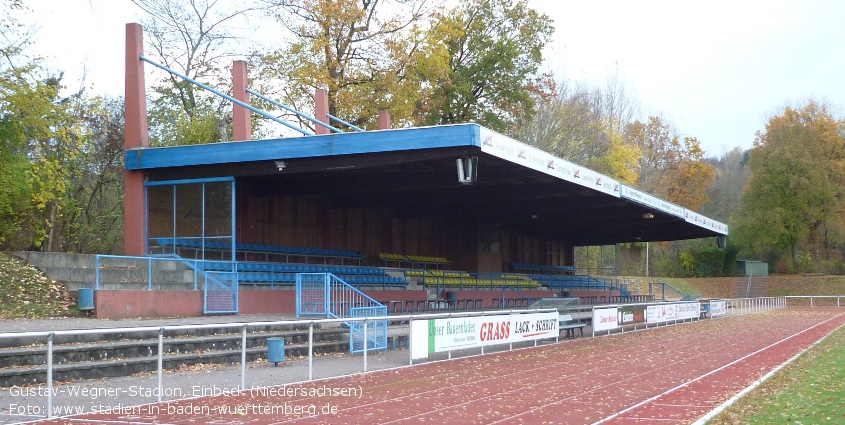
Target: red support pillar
[384, 120]
[241, 118]
[136, 136]
[321, 110]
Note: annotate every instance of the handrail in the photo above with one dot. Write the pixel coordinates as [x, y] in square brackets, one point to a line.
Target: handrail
[352, 126]
[289, 109]
[191, 264]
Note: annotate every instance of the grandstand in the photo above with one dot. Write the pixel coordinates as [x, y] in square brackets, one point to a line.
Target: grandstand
[414, 212]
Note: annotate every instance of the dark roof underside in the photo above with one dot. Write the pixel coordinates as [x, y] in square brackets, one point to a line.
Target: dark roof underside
[423, 182]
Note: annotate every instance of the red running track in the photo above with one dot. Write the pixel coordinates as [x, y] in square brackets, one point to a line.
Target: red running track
[674, 374]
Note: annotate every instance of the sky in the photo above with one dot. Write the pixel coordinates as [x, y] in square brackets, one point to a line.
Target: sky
[715, 70]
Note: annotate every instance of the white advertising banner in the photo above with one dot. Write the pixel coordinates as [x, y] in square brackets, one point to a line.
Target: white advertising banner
[671, 311]
[718, 308]
[707, 223]
[605, 319]
[652, 201]
[519, 153]
[455, 333]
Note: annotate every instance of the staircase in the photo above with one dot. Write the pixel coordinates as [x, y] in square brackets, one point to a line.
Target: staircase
[751, 287]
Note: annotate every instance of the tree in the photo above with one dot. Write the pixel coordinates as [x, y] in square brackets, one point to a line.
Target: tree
[93, 221]
[191, 37]
[362, 52]
[731, 174]
[494, 49]
[793, 206]
[670, 167]
[34, 141]
[575, 125]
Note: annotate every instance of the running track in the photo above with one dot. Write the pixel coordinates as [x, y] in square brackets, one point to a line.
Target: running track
[670, 375]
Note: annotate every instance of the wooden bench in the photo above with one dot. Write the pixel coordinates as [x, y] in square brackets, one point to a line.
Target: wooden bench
[568, 324]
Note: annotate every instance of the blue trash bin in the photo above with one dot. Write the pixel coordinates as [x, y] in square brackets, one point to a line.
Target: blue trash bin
[86, 299]
[276, 350]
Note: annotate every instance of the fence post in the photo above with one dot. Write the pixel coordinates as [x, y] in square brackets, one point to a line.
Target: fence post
[311, 350]
[410, 339]
[243, 358]
[160, 360]
[365, 344]
[50, 374]
[150, 275]
[97, 272]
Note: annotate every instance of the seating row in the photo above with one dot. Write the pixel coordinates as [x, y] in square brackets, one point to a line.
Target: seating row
[290, 279]
[543, 268]
[553, 281]
[415, 261]
[483, 283]
[200, 243]
[283, 273]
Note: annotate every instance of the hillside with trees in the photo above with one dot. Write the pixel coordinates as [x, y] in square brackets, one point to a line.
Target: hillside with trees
[428, 63]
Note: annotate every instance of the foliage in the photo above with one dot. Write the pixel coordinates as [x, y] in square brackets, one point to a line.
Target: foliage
[670, 167]
[362, 53]
[494, 49]
[731, 174]
[94, 214]
[192, 38]
[794, 203]
[583, 126]
[27, 293]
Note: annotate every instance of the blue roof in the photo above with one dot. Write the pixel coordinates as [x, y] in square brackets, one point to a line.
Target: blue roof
[305, 147]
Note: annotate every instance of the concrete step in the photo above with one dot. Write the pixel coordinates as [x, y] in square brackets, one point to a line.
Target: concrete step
[91, 356]
[129, 366]
[88, 352]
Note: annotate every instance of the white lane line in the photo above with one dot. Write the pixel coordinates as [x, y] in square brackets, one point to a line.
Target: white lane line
[685, 384]
[719, 409]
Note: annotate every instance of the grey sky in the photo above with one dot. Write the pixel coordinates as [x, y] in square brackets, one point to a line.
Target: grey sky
[716, 70]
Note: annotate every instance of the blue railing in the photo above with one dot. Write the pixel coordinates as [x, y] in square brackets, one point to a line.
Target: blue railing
[141, 270]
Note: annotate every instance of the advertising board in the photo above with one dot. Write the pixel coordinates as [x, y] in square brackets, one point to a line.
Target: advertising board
[455, 333]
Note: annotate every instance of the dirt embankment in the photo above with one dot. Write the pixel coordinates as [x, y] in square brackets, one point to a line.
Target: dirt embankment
[776, 285]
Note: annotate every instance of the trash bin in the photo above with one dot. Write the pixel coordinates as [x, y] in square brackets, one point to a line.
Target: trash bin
[275, 350]
[86, 299]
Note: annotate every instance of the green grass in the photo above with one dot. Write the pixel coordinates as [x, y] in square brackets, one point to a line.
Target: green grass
[679, 284]
[26, 293]
[810, 390]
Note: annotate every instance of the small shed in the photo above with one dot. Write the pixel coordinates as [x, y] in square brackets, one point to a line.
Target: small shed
[753, 268]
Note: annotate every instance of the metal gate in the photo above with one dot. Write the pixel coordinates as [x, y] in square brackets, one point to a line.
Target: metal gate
[324, 294]
[221, 293]
[376, 330]
[312, 294]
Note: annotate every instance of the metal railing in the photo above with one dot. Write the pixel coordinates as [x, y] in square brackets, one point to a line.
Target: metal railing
[141, 270]
[245, 329]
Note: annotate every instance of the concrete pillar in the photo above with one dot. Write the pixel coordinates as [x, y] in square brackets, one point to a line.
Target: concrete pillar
[384, 120]
[321, 110]
[241, 117]
[136, 136]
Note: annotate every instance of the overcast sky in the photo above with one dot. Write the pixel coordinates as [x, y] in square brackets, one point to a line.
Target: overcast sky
[715, 70]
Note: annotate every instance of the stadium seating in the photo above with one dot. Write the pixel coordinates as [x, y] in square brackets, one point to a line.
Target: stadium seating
[543, 268]
[272, 274]
[464, 280]
[286, 254]
[413, 261]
